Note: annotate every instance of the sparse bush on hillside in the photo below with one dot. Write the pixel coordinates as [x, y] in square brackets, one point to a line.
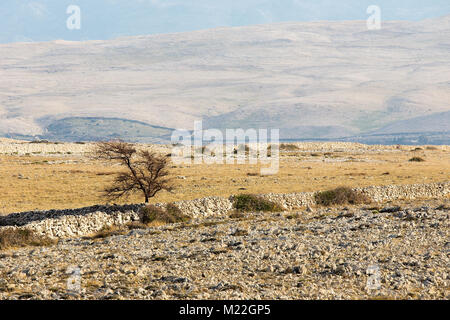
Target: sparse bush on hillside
[340, 196]
[15, 238]
[250, 202]
[44, 142]
[151, 213]
[416, 159]
[171, 214]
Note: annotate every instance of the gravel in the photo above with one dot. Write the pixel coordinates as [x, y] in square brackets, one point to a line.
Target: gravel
[325, 253]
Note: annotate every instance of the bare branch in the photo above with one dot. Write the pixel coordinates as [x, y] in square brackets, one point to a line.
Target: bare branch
[145, 171]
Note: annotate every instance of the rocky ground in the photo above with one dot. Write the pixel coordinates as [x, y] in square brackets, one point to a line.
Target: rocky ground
[322, 253]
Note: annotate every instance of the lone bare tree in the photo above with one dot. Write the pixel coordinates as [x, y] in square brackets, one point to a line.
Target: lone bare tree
[145, 171]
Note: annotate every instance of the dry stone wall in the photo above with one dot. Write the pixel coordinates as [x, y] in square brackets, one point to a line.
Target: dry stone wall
[55, 148]
[414, 191]
[85, 221]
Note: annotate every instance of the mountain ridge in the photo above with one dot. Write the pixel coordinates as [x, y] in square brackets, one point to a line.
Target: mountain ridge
[325, 80]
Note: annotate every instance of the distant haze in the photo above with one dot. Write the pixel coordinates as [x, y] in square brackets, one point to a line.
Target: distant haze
[321, 80]
[44, 20]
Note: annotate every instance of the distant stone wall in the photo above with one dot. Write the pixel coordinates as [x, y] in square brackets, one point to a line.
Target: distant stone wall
[27, 148]
[89, 220]
[205, 207]
[413, 191]
[72, 222]
[22, 148]
[376, 193]
[291, 201]
[8, 146]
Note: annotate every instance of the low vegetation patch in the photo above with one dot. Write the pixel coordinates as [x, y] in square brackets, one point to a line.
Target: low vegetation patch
[16, 238]
[416, 159]
[340, 196]
[250, 203]
[171, 214]
[110, 231]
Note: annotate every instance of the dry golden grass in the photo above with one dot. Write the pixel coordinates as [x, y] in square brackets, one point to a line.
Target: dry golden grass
[48, 182]
[16, 238]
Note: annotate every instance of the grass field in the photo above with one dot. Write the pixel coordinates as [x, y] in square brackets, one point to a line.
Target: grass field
[57, 181]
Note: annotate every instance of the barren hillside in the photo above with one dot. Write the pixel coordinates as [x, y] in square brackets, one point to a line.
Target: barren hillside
[311, 80]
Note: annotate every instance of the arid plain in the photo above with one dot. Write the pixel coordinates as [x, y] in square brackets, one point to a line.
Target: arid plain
[302, 252]
[60, 176]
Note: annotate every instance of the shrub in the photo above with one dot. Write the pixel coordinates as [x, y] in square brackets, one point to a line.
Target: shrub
[416, 159]
[109, 231]
[250, 202]
[339, 196]
[151, 213]
[14, 238]
[171, 214]
[173, 210]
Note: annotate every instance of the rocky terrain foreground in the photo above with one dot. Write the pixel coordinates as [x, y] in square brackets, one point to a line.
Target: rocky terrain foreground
[318, 253]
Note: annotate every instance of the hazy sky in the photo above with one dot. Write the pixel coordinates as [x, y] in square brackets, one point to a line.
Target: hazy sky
[34, 20]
